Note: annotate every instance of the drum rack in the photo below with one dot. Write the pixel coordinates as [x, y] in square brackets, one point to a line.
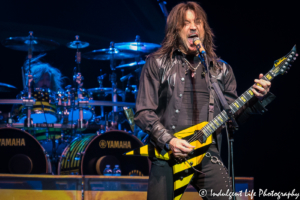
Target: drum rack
[29, 102]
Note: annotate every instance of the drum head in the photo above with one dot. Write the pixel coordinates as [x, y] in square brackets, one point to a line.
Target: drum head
[21, 153]
[108, 149]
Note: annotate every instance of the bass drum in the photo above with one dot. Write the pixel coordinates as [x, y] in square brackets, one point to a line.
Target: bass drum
[21, 153]
[88, 155]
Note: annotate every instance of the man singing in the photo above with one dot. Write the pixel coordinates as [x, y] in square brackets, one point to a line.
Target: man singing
[174, 95]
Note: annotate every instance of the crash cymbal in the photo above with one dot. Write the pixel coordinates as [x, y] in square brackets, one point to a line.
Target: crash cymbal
[107, 54]
[142, 47]
[23, 43]
[77, 44]
[7, 88]
[133, 64]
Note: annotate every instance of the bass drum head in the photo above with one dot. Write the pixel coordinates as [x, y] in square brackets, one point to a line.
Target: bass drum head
[90, 154]
[21, 153]
[108, 149]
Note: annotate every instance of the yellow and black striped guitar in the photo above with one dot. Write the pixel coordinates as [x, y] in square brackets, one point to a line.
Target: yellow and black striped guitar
[200, 135]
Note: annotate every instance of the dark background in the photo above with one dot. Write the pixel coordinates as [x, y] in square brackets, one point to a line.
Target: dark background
[250, 36]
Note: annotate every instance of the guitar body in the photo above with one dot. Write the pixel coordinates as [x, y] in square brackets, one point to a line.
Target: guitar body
[182, 171]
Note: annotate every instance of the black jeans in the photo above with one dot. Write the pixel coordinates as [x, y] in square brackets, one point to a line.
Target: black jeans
[213, 179]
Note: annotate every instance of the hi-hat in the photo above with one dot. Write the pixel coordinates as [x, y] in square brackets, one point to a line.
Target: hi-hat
[77, 44]
[133, 64]
[110, 53]
[7, 88]
[23, 43]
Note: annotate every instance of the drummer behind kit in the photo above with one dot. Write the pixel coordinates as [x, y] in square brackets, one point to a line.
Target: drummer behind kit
[52, 120]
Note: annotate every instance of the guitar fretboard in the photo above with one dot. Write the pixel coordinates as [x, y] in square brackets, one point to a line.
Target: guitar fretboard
[221, 118]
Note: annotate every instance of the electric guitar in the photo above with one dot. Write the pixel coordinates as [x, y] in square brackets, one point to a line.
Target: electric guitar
[200, 135]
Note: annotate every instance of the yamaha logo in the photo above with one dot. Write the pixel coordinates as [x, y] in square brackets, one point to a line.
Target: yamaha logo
[102, 144]
[12, 142]
[115, 144]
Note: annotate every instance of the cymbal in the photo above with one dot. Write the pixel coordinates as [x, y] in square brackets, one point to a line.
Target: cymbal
[107, 54]
[23, 43]
[77, 44]
[6, 87]
[142, 47]
[133, 64]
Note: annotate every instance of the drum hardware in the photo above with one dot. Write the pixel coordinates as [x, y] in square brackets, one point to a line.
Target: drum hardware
[100, 81]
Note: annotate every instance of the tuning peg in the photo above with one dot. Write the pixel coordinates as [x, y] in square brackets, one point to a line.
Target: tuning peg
[296, 55]
[290, 65]
[295, 58]
[286, 72]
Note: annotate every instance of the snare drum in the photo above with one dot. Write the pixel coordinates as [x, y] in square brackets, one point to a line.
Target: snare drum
[21, 153]
[44, 109]
[88, 155]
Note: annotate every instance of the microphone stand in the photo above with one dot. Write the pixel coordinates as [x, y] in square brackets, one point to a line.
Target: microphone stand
[233, 124]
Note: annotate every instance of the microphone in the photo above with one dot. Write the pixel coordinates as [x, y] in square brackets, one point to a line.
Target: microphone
[199, 45]
[201, 52]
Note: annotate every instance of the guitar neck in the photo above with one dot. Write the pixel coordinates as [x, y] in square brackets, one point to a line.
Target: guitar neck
[221, 118]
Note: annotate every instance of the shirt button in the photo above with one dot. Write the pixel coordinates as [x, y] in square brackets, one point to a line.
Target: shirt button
[180, 95]
[173, 127]
[182, 79]
[177, 111]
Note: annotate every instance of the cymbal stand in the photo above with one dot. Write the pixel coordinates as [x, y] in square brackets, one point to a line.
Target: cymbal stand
[113, 80]
[78, 78]
[100, 81]
[29, 103]
[138, 59]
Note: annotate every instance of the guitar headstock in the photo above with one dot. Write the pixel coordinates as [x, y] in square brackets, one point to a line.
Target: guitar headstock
[283, 64]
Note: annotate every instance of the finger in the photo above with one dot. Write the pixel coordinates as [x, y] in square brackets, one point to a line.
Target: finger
[186, 147]
[186, 144]
[257, 94]
[259, 89]
[180, 155]
[263, 83]
[260, 76]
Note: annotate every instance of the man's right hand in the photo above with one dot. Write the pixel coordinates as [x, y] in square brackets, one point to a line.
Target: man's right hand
[180, 148]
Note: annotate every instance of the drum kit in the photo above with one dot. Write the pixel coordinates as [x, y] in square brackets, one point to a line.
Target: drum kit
[51, 132]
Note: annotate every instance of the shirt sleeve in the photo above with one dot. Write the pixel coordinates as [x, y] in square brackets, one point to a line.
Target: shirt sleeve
[147, 103]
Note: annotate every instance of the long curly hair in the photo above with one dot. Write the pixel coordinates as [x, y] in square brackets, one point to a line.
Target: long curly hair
[39, 68]
[175, 22]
